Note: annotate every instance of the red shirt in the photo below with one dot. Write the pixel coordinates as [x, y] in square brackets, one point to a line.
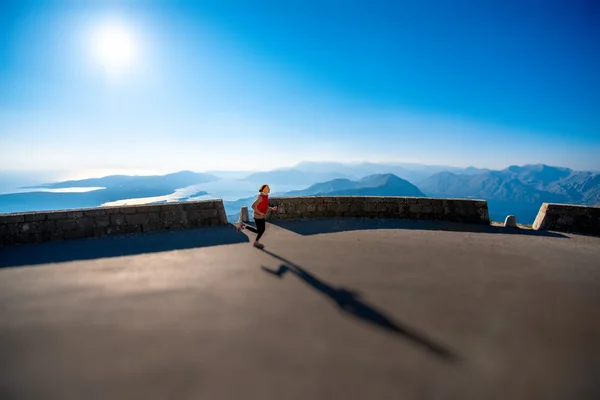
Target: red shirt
[264, 203]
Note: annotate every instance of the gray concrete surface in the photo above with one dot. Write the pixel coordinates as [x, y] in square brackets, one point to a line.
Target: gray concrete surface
[332, 309]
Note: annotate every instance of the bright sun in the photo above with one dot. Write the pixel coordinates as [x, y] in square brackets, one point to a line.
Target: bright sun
[114, 47]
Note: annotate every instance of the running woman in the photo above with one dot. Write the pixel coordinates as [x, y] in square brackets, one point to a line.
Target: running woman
[260, 208]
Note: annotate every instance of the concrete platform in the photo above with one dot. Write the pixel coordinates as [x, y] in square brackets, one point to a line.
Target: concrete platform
[349, 309]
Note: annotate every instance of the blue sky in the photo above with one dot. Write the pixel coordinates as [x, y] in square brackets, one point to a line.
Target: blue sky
[263, 84]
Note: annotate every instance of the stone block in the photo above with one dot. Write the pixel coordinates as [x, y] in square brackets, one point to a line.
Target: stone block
[56, 215]
[137, 219]
[74, 214]
[128, 209]
[13, 229]
[12, 219]
[198, 205]
[96, 213]
[370, 206]
[301, 208]
[222, 217]
[117, 220]
[332, 207]
[46, 226]
[148, 209]
[415, 208]
[344, 207]
[209, 213]
[567, 219]
[66, 224]
[438, 208]
[26, 227]
[176, 225]
[244, 216]
[102, 222]
[357, 207]
[34, 217]
[427, 209]
[510, 221]
[448, 207]
[403, 210]
[86, 223]
[113, 229]
[153, 227]
[123, 229]
[381, 207]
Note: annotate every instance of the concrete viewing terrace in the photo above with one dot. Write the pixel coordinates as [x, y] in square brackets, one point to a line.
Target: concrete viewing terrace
[332, 308]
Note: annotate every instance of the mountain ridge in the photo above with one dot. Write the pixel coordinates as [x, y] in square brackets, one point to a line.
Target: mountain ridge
[185, 178]
[372, 185]
[528, 183]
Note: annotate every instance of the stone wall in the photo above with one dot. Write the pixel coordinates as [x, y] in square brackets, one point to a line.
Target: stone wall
[454, 210]
[102, 221]
[568, 218]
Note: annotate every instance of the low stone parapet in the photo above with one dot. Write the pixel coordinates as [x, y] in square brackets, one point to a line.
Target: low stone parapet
[102, 221]
[568, 218]
[453, 210]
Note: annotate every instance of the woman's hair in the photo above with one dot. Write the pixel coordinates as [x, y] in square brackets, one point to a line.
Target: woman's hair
[262, 187]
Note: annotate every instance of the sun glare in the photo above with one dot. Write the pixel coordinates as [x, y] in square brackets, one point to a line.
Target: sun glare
[114, 47]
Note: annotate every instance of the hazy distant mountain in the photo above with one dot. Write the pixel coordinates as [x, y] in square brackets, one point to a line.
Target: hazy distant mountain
[295, 176]
[538, 176]
[326, 187]
[230, 174]
[529, 183]
[11, 181]
[171, 181]
[372, 185]
[413, 173]
[117, 187]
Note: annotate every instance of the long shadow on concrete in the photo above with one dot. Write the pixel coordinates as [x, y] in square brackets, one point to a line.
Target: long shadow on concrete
[114, 246]
[333, 225]
[350, 302]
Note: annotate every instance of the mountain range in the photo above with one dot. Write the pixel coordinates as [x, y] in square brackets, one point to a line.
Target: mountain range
[526, 184]
[112, 188]
[372, 185]
[518, 190]
[159, 183]
[308, 173]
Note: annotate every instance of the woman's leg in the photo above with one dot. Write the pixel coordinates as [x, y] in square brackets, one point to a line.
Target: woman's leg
[260, 227]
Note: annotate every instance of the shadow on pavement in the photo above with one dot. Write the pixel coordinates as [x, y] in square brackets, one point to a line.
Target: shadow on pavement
[350, 302]
[114, 246]
[333, 225]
